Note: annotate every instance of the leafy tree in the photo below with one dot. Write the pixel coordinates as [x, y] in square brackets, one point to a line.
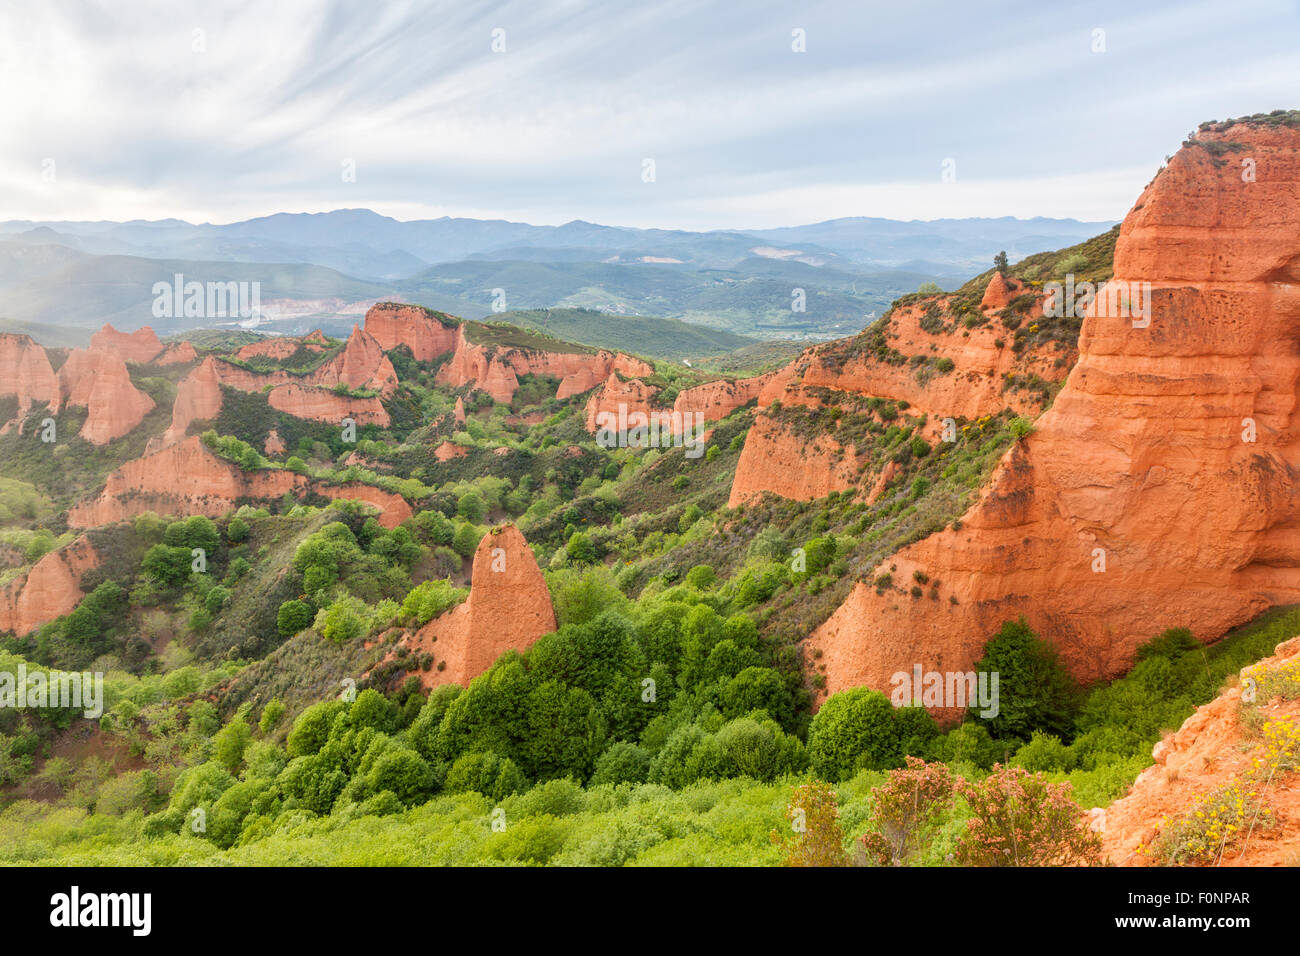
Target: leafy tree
[854, 729]
[404, 773]
[470, 506]
[229, 743]
[908, 804]
[622, 763]
[1035, 691]
[237, 530]
[1000, 262]
[466, 539]
[293, 616]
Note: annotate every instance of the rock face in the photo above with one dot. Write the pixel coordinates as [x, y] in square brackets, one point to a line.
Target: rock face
[394, 509]
[1208, 750]
[1140, 503]
[426, 333]
[50, 589]
[178, 353]
[509, 608]
[361, 365]
[324, 405]
[198, 398]
[98, 381]
[278, 348]
[182, 479]
[25, 372]
[141, 346]
[1000, 292]
[976, 384]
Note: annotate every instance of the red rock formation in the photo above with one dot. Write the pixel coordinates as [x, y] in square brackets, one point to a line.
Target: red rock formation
[509, 608]
[141, 346]
[178, 353]
[182, 479]
[973, 388]
[361, 365]
[50, 589]
[802, 470]
[25, 372]
[274, 445]
[1140, 467]
[716, 400]
[315, 337]
[276, 348]
[633, 394]
[472, 363]
[198, 398]
[393, 508]
[98, 381]
[1000, 292]
[459, 413]
[324, 405]
[426, 333]
[449, 450]
[1210, 749]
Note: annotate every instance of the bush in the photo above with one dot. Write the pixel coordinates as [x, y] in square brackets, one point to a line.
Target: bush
[854, 730]
[293, 616]
[904, 808]
[813, 815]
[622, 763]
[1022, 819]
[1035, 691]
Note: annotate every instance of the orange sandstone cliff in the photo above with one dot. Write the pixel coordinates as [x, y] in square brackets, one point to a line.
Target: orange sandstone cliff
[1159, 489]
[25, 372]
[141, 346]
[509, 608]
[426, 333]
[97, 379]
[50, 589]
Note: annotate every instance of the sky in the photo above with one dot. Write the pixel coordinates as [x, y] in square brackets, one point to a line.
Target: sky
[546, 111]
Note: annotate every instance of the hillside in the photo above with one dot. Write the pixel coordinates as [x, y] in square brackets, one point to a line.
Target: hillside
[351, 591]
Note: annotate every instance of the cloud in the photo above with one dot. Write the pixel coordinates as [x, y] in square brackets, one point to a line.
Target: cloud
[219, 111]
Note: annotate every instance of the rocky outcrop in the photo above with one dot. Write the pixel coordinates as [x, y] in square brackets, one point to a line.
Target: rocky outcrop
[50, 589]
[509, 608]
[274, 445]
[426, 333]
[198, 398]
[325, 405]
[632, 395]
[716, 400]
[1209, 750]
[393, 508]
[1000, 292]
[449, 450]
[361, 365]
[98, 381]
[802, 470]
[277, 348]
[178, 353]
[182, 479]
[141, 346]
[458, 414]
[26, 373]
[878, 364]
[1159, 489]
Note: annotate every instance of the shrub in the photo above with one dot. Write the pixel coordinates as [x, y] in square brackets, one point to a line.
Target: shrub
[622, 763]
[813, 814]
[903, 808]
[1035, 692]
[1022, 819]
[855, 729]
[293, 616]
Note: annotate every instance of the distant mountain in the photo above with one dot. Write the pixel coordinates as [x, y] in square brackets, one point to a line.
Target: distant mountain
[365, 244]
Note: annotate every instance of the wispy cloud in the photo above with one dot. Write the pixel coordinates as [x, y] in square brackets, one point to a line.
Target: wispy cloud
[218, 111]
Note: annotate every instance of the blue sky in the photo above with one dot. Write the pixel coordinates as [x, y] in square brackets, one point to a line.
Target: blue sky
[143, 117]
